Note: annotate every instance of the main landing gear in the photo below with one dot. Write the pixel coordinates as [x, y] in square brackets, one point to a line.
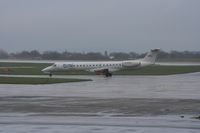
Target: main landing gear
[107, 73]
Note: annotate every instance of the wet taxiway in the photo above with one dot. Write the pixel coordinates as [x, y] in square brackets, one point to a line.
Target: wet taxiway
[182, 86]
[117, 104]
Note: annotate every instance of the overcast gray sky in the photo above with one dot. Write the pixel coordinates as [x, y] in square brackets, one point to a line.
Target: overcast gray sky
[99, 25]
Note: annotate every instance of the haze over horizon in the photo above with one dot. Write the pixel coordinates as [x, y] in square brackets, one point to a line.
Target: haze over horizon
[104, 25]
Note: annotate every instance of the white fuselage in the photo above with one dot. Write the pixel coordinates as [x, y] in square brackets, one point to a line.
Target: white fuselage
[93, 66]
[105, 66]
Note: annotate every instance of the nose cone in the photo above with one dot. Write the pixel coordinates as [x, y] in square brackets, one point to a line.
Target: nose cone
[46, 70]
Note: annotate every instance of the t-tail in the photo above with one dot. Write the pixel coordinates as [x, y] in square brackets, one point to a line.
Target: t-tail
[151, 56]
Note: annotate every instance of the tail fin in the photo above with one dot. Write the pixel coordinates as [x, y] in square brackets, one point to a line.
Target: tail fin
[151, 56]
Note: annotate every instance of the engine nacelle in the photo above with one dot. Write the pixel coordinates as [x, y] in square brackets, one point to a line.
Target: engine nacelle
[131, 63]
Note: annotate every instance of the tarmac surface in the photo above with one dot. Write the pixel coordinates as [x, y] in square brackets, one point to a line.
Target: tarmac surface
[182, 86]
[118, 104]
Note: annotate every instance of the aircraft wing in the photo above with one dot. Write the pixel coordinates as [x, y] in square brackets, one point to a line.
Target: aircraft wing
[102, 69]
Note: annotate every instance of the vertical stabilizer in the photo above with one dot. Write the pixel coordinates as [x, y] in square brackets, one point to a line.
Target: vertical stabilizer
[151, 56]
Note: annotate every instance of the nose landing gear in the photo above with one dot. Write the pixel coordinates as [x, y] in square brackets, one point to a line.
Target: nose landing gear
[50, 75]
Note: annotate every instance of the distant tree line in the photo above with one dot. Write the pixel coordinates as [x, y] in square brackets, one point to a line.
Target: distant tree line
[66, 55]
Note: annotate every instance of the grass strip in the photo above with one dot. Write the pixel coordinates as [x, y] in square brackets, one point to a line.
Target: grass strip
[159, 70]
[37, 80]
[35, 69]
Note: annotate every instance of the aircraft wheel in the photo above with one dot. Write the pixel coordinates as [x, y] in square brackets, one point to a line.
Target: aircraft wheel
[108, 74]
[50, 74]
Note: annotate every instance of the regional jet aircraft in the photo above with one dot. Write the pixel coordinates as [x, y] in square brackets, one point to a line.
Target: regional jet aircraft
[104, 67]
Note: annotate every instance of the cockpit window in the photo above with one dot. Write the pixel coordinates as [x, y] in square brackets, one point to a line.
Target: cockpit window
[54, 65]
